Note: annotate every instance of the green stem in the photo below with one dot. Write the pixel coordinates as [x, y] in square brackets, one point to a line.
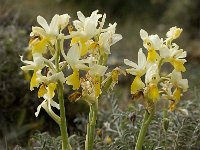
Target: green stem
[146, 121]
[165, 122]
[63, 124]
[91, 126]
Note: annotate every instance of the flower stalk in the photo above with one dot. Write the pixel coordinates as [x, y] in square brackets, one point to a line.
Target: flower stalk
[63, 124]
[91, 126]
[148, 116]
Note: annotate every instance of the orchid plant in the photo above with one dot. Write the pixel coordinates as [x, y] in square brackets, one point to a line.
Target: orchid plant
[157, 84]
[89, 48]
[82, 66]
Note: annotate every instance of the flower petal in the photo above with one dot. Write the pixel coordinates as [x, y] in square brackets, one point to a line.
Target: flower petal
[43, 23]
[81, 17]
[141, 59]
[130, 63]
[143, 34]
[54, 26]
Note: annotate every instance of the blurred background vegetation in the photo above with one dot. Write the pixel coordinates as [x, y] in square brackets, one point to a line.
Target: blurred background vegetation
[18, 125]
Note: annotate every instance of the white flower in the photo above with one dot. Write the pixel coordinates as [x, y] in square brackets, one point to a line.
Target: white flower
[173, 52]
[108, 38]
[140, 68]
[176, 79]
[73, 58]
[36, 64]
[63, 21]
[86, 26]
[152, 41]
[175, 56]
[58, 23]
[174, 32]
[51, 77]
[48, 102]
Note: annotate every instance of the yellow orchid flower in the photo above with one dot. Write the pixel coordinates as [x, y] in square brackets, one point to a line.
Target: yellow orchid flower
[86, 26]
[174, 33]
[151, 43]
[47, 93]
[178, 81]
[73, 59]
[175, 56]
[108, 38]
[177, 94]
[137, 69]
[151, 79]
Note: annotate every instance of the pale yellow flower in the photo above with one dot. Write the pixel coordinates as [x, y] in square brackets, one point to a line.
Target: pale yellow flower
[86, 26]
[175, 56]
[107, 39]
[58, 23]
[174, 33]
[152, 78]
[151, 43]
[178, 81]
[138, 70]
[48, 100]
[74, 60]
[35, 65]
